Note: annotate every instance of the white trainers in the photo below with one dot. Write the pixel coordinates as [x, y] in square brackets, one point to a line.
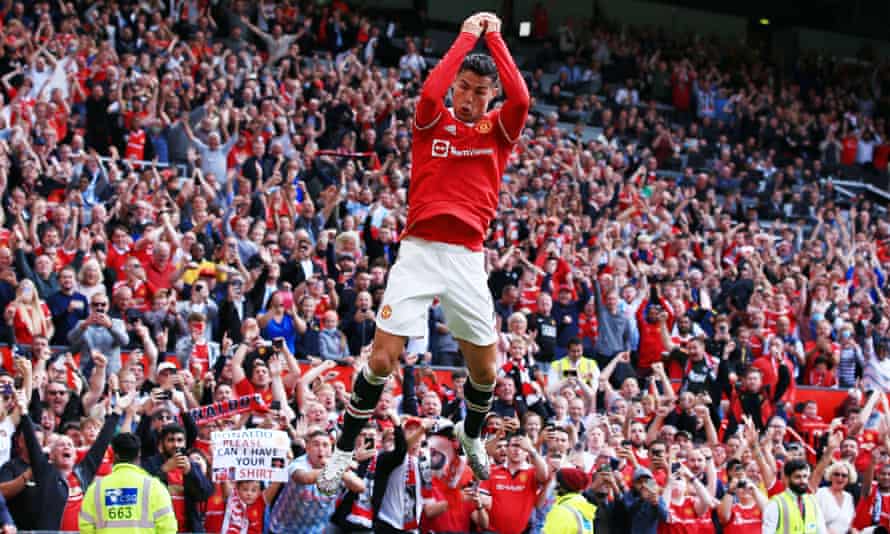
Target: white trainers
[474, 449]
[331, 476]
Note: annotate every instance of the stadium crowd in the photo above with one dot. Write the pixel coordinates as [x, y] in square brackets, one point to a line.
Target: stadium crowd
[202, 201]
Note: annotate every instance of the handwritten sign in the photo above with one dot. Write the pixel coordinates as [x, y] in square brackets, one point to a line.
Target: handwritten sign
[253, 454]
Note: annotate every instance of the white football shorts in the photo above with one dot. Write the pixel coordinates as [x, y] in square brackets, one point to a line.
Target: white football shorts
[425, 270]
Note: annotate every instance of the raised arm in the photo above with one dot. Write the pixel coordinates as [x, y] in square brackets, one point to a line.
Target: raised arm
[430, 106]
[705, 500]
[767, 469]
[834, 441]
[97, 380]
[238, 361]
[864, 416]
[515, 109]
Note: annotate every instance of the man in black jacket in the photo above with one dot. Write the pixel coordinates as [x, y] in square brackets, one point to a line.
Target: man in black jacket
[59, 480]
[18, 488]
[184, 479]
[403, 500]
[234, 310]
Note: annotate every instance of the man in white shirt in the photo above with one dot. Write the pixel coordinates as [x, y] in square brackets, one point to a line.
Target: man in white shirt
[412, 64]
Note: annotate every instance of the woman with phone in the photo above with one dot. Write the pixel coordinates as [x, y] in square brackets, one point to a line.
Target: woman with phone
[281, 321]
[28, 315]
[688, 510]
[741, 508]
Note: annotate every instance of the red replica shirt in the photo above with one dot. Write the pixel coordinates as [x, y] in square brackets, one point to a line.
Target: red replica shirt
[215, 510]
[457, 517]
[770, 370]
[135, 145]
[848, 150]
[744, 520]
[107, 460]
[682, 518]
[865, 510]
[867, 439]
[528, 298]
[772, 317]
[457, 167]
[255, 514]
[588, 327]
[244, 387]
[142, 293]
[512, 499]
[160, 278]
[72, 505]
[117, 259]
[651, 344]
[200, 358]
[176, 487]
[21, 327]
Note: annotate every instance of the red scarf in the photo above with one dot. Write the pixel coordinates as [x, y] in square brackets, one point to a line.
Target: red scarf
[235, 521]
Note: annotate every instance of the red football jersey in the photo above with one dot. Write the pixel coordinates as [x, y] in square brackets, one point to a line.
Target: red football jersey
[682, 518]
[457, 167]
[744, 520]
[456, 175]
[513, 498]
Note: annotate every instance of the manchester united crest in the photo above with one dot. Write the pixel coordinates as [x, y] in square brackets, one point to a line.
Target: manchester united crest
[386, 312]
[484, 126]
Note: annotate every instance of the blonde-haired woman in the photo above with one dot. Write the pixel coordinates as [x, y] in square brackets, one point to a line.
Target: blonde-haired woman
[28, 315]
[517, 328]
[348, 242]
[834, 500]
[90, 280]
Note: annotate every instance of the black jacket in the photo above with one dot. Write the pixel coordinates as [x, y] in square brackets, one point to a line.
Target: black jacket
[230, 322]
[387, 462]
[52, 485]
[197, 490]
[25, 506]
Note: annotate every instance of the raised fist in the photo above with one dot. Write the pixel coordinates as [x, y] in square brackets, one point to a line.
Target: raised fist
[473, 24]
[491, 23]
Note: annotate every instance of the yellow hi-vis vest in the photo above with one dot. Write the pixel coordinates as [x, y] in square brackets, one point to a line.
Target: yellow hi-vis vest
[570, 514]
[790, 521]
[585, 366]
[128, 501]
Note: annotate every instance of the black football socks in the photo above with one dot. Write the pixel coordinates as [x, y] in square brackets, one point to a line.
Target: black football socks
[478, 398]
[365, 394]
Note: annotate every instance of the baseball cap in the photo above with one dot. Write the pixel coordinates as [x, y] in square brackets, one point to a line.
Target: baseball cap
[165, 366]
[794, 446]
[411, 421]
[642, 472]
[572, 479]
[444, 427]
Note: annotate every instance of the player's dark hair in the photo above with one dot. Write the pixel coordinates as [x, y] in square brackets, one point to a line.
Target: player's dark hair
[480, 64]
